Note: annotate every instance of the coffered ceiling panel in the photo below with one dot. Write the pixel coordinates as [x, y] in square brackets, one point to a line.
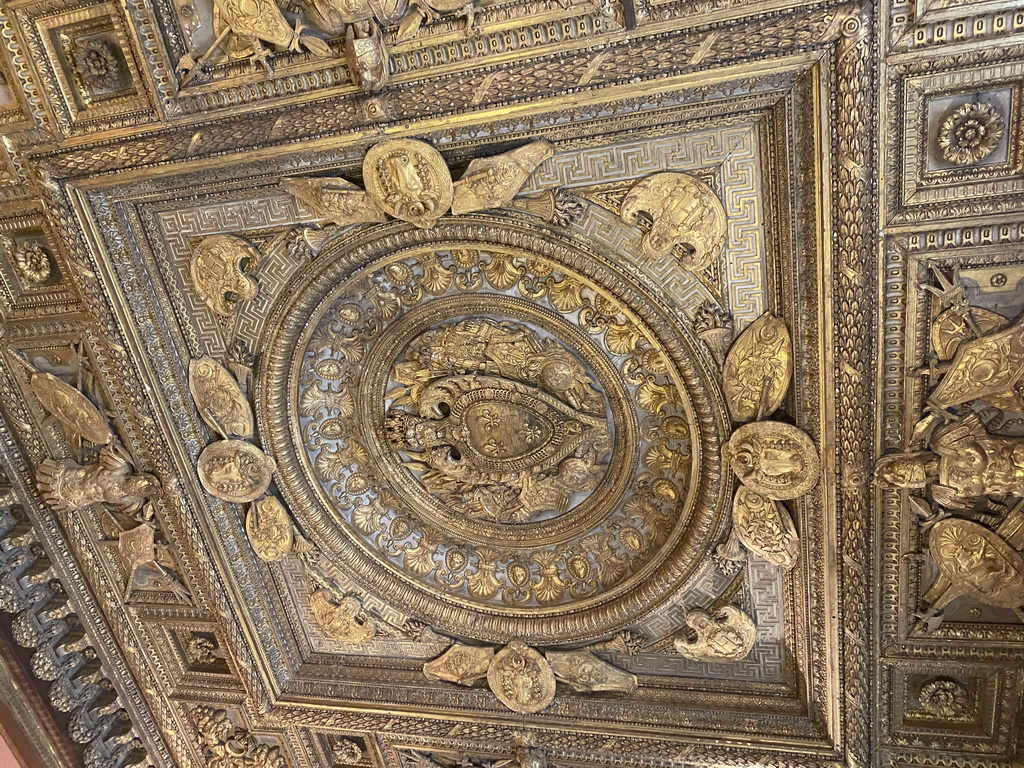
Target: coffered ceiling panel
[431, 385]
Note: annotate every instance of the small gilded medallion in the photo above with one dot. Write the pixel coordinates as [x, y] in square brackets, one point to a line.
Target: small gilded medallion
[409, 180]
[774, 459]
[521, 678]
[234, 470]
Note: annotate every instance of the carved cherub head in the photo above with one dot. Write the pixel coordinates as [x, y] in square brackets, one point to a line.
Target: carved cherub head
[907, 470]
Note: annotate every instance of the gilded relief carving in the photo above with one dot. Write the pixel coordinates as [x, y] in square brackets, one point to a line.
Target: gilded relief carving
[487, 428]
[728, 635]
[78, 417]
[773, 460]
[970, 133]
[270, 529]
[493, 447]
[234, 470]
[969, 475]
[225, 745]
[492, 182]
[32, 262]
[521, 678]
[343, 619]
[460, 664]
[111, 479]
[765, 528]
[758, 369]
[586, 673]
[943, 697]
[686, 213]
[444, 423]
[255, 24]
[221, 267]
[148, 564]
[408, 179]
[219, 399]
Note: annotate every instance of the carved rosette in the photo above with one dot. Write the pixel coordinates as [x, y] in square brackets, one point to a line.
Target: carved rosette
[970, 133]
[499, 420]
[944, 698]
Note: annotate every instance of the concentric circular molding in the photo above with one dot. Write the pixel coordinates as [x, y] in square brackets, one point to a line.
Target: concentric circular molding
[495, 430]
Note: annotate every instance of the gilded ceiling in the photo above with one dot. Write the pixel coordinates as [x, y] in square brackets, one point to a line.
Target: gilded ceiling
[511, 383]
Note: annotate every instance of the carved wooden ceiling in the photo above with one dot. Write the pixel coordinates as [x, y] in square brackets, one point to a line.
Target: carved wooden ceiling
[433, 384]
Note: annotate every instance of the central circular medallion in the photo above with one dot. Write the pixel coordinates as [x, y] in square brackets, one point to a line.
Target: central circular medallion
[487, 432]
[497, 418]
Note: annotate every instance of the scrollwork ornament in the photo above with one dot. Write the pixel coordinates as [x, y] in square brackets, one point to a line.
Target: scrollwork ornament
[343, 619]
[685, 213]
[970, 133]
[221, 266]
